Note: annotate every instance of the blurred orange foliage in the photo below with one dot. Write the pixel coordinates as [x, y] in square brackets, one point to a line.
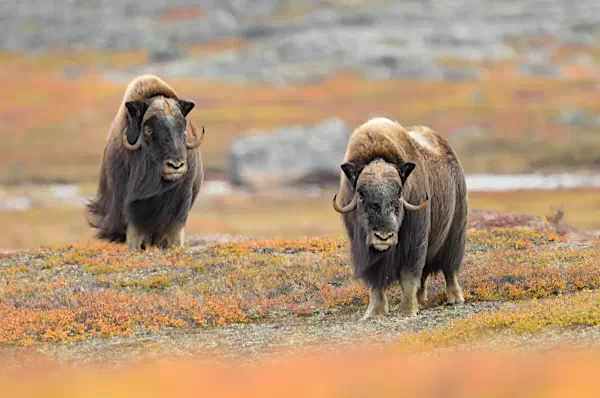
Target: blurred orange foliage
[351, 374]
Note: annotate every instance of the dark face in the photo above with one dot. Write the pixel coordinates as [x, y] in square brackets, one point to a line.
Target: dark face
[161, 127]
[379, 209]
[379, 212]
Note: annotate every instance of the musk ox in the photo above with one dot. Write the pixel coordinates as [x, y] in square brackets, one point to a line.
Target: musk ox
[151, 169]
[388, 169]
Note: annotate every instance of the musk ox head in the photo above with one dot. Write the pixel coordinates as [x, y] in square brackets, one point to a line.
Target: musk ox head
[158, 127]
[378, 200]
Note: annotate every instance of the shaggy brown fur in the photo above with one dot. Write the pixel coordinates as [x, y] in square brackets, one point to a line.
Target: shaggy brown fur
[429, 240]
[133, 202]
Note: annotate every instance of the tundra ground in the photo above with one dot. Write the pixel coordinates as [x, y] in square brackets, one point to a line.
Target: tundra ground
[249, 298]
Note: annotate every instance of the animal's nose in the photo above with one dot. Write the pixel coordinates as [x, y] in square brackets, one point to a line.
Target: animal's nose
[175, 164]
[384, 235]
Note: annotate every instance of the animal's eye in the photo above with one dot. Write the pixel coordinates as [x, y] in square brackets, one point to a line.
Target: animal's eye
[361, 197]
[147, 131]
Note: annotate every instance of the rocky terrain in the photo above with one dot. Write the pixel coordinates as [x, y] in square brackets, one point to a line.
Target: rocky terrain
[286, 42]
[241, 298]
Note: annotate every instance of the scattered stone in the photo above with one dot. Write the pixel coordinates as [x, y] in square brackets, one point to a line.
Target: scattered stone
[164, 54]
[539, 69]
[578, 117]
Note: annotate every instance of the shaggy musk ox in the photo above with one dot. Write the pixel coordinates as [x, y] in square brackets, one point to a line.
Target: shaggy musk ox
[387, 170]
[151, 170]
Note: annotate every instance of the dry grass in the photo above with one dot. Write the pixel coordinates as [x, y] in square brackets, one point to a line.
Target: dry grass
[288, 216]
[533, 317]
[43, 227]
[582, 207]
[76, 292]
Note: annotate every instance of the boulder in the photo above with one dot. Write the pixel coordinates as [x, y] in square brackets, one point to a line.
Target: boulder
[290, 155]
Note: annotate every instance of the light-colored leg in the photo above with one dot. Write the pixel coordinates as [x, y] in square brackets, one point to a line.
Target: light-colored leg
[175, 236]
[409, 306]
[454, 292]
[422, 292]
[135, 239]
[378, 304]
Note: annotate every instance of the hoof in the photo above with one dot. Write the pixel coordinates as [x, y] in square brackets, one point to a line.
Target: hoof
[372, 315]
[453, 301]
[409, 313]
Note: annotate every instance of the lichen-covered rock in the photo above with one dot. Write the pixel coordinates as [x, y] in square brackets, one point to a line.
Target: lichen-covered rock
[289, 155]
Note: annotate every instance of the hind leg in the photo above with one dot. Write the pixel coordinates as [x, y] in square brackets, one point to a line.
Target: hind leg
[450, 257]
[422, 292]
[454, 292]
[174, 236]
[453, 253]
[451, 261]
[136, 239]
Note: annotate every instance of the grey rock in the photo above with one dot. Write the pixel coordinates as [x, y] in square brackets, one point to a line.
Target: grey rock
[539, 69]
[289, 155]
[455, 74]
[164, 54]
[578, 117]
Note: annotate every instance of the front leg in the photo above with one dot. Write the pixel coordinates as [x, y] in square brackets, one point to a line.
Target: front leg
[378, 303]
[174, 236]
[409, 282]
[136, 239]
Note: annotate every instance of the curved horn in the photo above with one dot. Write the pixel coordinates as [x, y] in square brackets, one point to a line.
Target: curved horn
[347, 209]
[135, 146]
[198, 141]
[411, 207]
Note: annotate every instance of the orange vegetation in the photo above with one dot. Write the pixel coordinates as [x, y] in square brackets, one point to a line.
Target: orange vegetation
[51, 116]
[75, 292]
[352, 374]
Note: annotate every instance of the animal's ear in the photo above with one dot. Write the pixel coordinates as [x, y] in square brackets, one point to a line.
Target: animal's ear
[135, 115]
[404, 170]
[350, 171]
[186, 107]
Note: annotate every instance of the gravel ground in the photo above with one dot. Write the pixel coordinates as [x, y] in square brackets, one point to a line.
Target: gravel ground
[247, 343]
[277, 338]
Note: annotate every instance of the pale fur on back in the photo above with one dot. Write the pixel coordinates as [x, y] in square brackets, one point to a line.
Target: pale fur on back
[425, 138]
[387, 139]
